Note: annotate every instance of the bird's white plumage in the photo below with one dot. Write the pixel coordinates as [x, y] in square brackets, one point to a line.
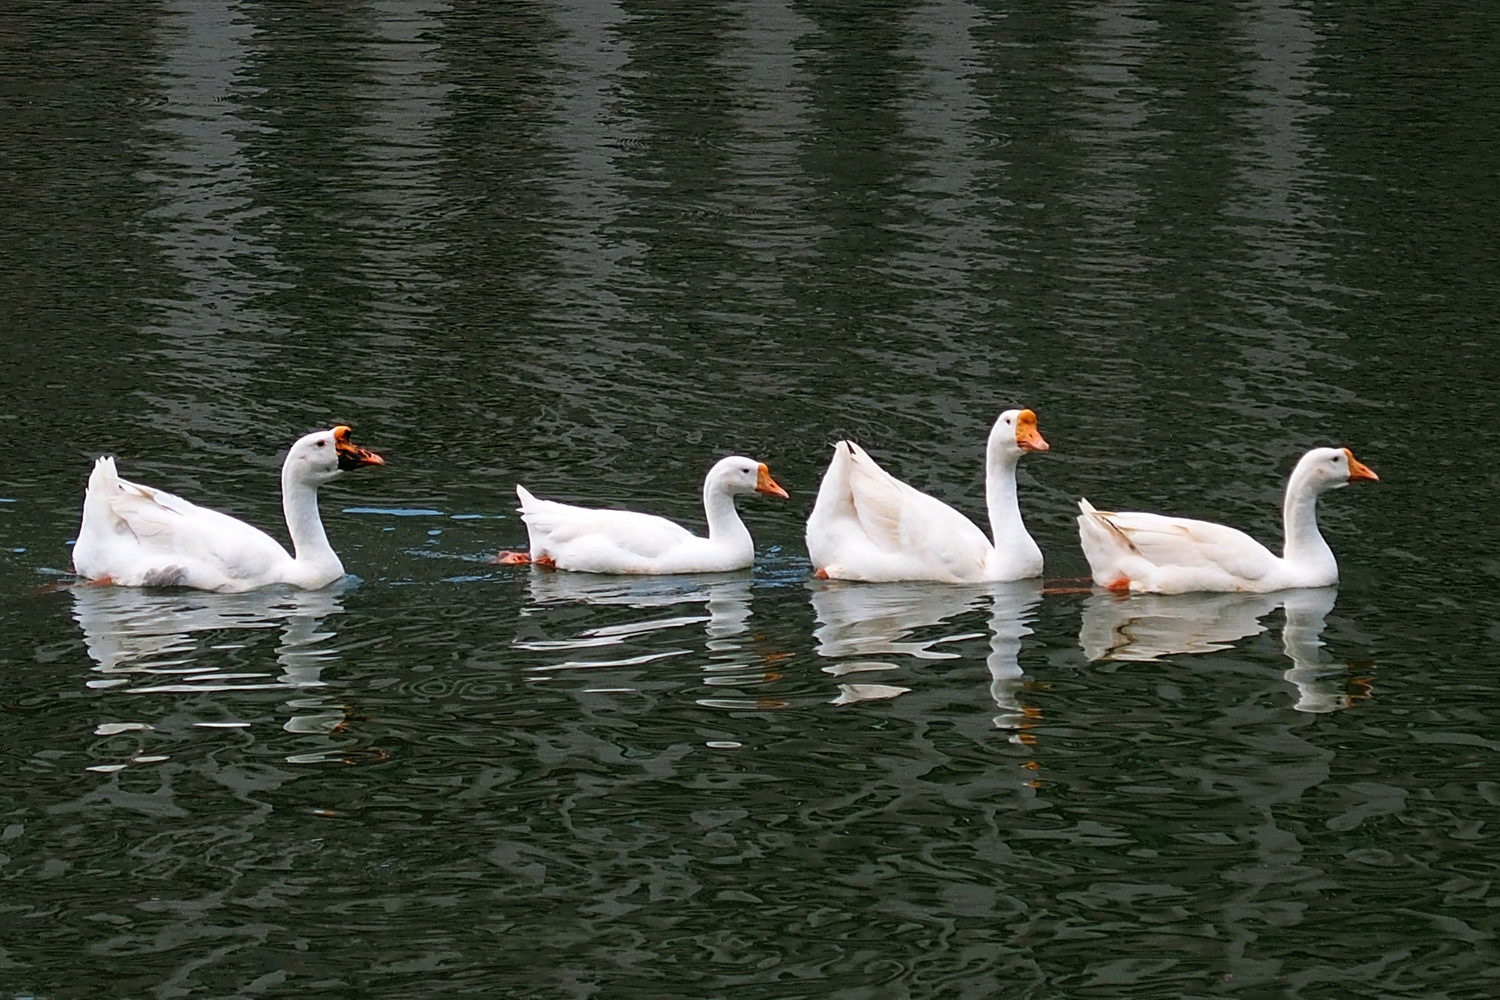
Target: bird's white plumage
[1153, 553]
[620, 541]
[868, 525]
[135, 535]
[1211, 556]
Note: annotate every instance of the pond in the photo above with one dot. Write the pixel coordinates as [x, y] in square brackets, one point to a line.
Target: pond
[591, 248]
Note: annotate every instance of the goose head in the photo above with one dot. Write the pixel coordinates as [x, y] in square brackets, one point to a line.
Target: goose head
[1015, 433]
[321, 456]
[738, 474]
[1326, 469]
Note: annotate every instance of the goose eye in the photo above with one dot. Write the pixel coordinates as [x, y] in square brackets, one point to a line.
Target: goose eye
[321, 442]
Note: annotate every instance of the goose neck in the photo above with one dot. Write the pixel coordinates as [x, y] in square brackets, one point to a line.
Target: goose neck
[299, 502]
[724, 524]
[1001, 498]
[1299, 515]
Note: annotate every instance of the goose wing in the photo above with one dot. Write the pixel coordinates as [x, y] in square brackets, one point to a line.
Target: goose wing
[554, 524]
[898, 517]
[1180, 541]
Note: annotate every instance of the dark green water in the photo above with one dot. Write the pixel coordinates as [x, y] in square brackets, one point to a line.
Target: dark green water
[592, 247]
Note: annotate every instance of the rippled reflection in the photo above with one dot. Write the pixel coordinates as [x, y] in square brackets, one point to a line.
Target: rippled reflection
[213, 329]
[1149, 626]
[1320, 684]
[864, 627]
[867, 628]
[1012, 605]
[156, 642]
[635, 640]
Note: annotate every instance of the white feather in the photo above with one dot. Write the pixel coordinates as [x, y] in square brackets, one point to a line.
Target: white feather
[868, 525]
[621, 541]
[1152, 553]
[134, 535]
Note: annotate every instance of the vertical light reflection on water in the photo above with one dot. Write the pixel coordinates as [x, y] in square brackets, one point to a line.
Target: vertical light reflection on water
[212, 327]
[1097, 205]
[1278, 162]
[769, 88]
[958, 343]
[591, 128]
[1114, 138]
[941, 113]
[400, 144]
[890, 161]
[1278, 211]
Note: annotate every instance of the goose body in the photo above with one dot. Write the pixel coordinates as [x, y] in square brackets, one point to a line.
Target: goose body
[138, 536]
[1152, 553]
[868, 525]
[589, 540]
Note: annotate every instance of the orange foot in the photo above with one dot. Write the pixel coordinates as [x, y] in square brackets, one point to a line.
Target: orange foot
[102, 581]
[505, 558]
[820, 574]
[546, 561]
[1120, 586]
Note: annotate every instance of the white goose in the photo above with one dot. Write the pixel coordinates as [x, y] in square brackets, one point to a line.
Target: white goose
[623, 541]
[137, 536]
[1149, 553]
[868, 525]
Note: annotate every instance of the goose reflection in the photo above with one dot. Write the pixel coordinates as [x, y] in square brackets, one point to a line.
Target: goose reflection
[1320, 683]
[1146, 627]
[723, 598]
[1011, 607]
[731, 589]
[868, 628]
[145, 641]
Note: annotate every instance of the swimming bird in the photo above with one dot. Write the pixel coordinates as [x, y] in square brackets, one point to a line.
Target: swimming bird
[1151, 553]
[868, 525]
[589, 540]
[139, 536]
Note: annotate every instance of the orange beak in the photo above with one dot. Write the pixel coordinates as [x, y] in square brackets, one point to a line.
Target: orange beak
[765, 484]
[351, 455]
[1359, 470]
[1028, 438]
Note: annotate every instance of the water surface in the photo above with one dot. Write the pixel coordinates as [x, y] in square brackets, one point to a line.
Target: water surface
[592, 247]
